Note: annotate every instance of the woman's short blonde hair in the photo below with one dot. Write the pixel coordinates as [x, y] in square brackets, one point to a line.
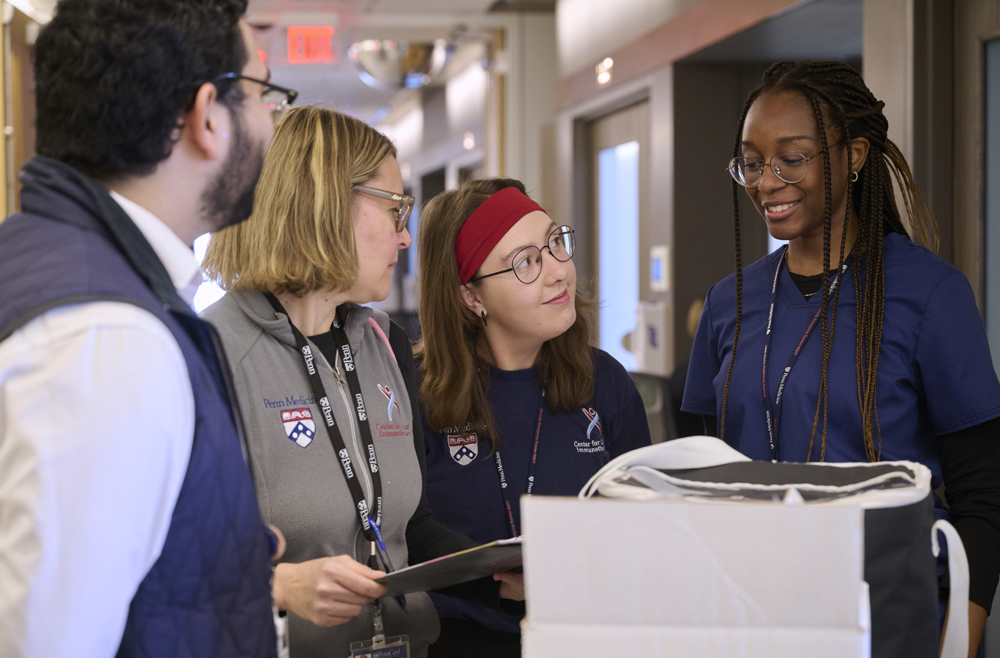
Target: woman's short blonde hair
[300, 237]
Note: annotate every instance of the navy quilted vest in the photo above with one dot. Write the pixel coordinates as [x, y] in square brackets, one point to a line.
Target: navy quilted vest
[208, 594]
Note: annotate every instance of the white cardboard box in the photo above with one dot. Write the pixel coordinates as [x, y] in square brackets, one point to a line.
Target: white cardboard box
[651, 642]
[675, 578]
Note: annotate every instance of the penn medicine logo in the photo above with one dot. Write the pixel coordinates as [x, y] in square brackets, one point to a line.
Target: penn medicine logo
[299, 426]
[463, 447]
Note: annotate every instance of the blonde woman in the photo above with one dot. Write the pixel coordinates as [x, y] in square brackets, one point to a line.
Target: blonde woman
[515, 398]
[326, 386]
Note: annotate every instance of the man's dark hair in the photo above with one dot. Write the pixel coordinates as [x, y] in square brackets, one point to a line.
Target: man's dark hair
[114, 76]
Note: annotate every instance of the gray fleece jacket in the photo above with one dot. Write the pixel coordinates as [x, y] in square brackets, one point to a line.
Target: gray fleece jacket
[300, 484]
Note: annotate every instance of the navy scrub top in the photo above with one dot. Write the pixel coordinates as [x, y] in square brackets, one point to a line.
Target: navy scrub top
[463, 486]
[935, 373]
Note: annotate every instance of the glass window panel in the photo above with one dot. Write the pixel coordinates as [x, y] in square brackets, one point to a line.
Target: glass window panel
[618, 247]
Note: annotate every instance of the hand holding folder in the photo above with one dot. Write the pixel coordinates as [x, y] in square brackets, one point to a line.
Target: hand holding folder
[461, 567]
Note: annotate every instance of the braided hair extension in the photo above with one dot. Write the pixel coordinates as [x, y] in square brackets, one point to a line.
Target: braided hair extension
[838, 95]
[739, 265]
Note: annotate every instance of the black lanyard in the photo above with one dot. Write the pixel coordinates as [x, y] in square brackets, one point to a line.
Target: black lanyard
[531, 470]
[336, 439]
[772, 425]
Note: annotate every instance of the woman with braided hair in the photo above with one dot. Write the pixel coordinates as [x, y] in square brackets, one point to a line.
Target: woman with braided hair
[900, 368]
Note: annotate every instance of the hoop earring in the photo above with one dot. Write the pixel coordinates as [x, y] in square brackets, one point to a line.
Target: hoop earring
[483, 314]
[854, 177]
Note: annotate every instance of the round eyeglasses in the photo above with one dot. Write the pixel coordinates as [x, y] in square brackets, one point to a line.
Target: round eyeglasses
[788, 166]
[527, 262]
[401, 213]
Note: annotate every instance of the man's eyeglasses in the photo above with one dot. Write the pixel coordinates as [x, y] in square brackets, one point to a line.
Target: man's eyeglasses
[789, 166]
[276, 99]
[401, 213]
[527, 263]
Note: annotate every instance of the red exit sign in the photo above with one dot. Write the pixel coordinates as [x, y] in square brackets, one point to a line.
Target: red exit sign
[310, 44]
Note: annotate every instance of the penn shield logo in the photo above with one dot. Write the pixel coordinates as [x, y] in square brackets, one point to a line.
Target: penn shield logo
[307, 353]
[362, 414]
[387, 392]
[345, 460]
[324, 404]
[363, 513]
[463, 447]
[347, 357]
[299, 426]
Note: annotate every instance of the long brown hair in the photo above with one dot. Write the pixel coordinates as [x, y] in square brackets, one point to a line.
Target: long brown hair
[455, 376]
[839, 98]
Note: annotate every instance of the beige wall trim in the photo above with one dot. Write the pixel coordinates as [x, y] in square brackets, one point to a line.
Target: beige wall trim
[572, 205]
[706, 23]
[888, 65]
[500, 106]
[908, 64]
[6, 175]
[976, 21]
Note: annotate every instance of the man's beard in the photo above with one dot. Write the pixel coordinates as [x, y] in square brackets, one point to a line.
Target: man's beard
[229, 197]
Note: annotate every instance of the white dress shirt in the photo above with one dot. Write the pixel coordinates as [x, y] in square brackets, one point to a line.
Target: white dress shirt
[96, 428]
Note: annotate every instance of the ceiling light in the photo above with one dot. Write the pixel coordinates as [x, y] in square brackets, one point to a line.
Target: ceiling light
[387, 64]
[604, 71]
[469, 141]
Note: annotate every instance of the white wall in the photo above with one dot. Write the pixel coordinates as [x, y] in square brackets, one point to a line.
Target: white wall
[587, 30]
[529, 66]
[429, 128]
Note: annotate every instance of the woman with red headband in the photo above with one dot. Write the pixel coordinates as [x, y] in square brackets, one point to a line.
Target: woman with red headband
[515, 399]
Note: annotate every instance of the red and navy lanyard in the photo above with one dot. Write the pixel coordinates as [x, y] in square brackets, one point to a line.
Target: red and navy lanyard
[772, 420]
[372, 531]
[505, 486]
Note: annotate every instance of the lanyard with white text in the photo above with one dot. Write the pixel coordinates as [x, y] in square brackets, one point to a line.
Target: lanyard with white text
[772, 421]
[531, 470]
[336, 439]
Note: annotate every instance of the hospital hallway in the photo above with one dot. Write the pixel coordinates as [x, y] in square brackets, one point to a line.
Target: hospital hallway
[620, 116]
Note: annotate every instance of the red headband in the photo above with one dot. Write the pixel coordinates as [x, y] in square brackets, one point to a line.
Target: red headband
[486, 226]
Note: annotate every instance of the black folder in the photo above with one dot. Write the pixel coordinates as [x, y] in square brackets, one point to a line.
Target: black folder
[461, 567]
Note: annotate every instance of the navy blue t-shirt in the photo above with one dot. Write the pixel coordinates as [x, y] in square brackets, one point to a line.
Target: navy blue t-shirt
[463, 485]
[935, 374]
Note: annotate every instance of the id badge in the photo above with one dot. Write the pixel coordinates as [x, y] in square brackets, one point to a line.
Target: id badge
[397, 646]
[281, 631]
